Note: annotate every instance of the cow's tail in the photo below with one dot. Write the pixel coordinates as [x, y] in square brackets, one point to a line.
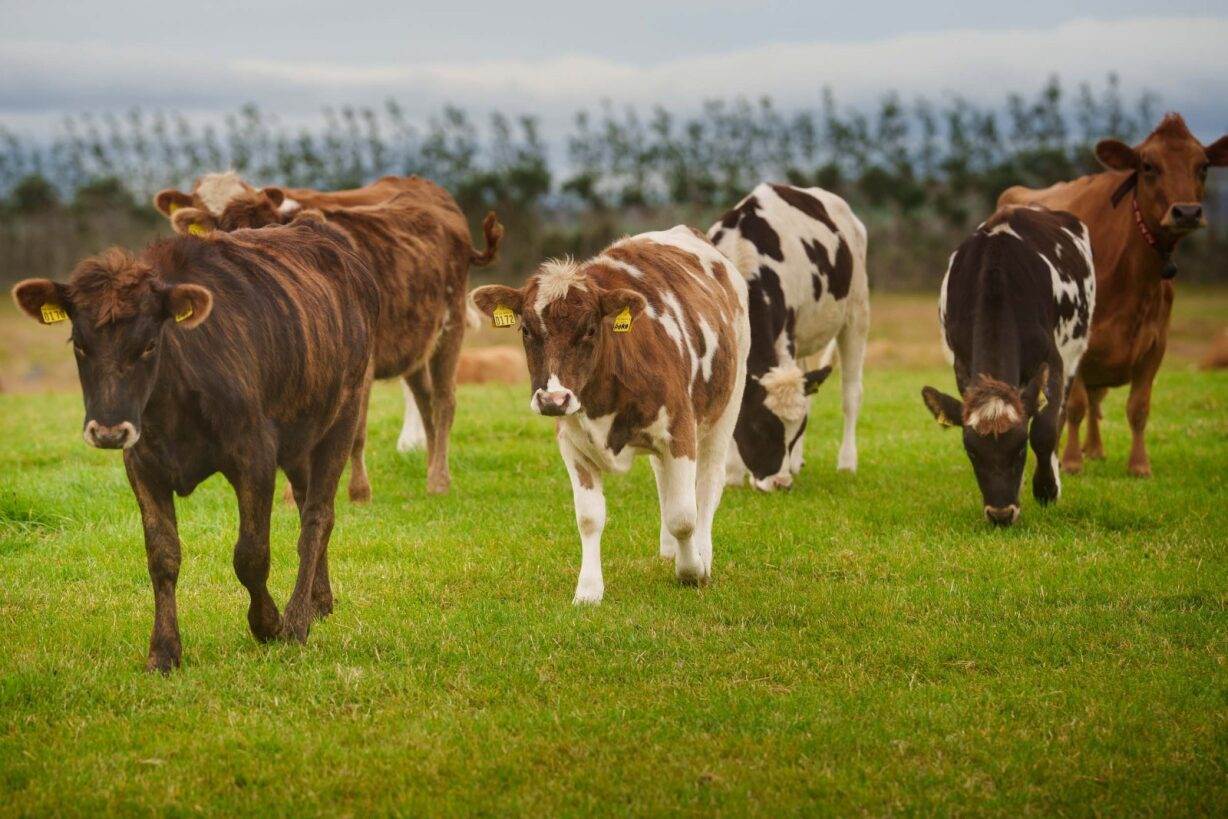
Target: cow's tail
[493, 231]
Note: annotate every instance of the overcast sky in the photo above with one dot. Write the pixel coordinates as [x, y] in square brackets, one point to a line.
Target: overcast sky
[552, 58]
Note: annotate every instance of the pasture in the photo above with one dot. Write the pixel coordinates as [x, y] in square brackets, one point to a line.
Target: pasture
[869, 643]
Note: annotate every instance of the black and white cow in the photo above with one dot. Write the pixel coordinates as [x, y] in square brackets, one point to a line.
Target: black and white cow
[803, 254]
[1015, 307]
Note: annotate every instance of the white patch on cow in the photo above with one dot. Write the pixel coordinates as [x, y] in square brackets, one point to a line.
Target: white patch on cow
[413, 434]
[990, 412]
[217, 190]
[1070, 345]
[947, 352]
[675, 308]
[288, 205]
[1055, 467]
[711, 342]
[785, 386]
[618, 264]
[554, 278]
[1003, 229]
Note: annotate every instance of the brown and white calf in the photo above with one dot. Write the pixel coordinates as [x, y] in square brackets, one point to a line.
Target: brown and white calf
[1016, 310]
[237, 354]
[803, 254]
[416, 242]
[641, 349]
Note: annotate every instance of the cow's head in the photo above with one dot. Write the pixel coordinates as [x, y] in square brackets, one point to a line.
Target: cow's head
[220, 201]
[121, 315]
[771, 422]
[566, 323]
[1171, 167]
[994, 417]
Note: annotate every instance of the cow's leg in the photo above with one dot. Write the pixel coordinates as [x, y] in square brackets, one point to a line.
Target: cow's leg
[710, 481]
[327, 461]
[589, 498]
[676, 487]
[253, 483]
[1093, 446]
[360, 485]
[1138, 408]
[419, 383]
[852, 344]
[321, 588]
[443, 399]
[1076, 408]
[1046, 480]
[157, 503]
[413, 433]
[668, 545]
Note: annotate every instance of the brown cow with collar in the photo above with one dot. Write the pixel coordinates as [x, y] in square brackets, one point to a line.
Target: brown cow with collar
[416, 241]
[640, 349]
[237, 354]
[1137, 211]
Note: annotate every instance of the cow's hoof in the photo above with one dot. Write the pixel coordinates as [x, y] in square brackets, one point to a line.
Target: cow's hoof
[360, 494]
[295, 631]
[589, 592]
[264, 622]
[690, 574]
[323, 606]
[1072, 467]
[1140, 470]
[1096, 454]
[439, 486]
[163, 660]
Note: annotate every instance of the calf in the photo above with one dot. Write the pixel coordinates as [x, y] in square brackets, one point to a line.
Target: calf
[640, 349]
[416, 241]
[803, 254]
[235, 354]
[1015, 307]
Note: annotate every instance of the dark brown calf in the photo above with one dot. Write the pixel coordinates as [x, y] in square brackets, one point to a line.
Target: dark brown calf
[416, 241]
[1148, 200]
[236, 354]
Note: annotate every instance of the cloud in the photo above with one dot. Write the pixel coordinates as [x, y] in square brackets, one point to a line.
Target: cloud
[1181, 59]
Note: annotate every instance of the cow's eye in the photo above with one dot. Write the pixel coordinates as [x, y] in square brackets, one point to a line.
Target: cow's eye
[1150, 169]
[78, 349]
[149, 349]
[590, 332]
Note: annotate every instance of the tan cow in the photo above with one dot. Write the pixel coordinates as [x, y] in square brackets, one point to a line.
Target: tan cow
[641, 349]
[416, 241]
[1137, 212]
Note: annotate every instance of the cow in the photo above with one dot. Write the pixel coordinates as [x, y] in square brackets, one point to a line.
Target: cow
[803, 255]
[1015, 307]
[416, 241]
[238, 354]
[1138, 210]
[641, 349]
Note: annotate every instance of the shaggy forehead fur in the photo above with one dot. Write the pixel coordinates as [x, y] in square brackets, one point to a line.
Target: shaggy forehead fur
[112, 284]
[216, 190]
[554, 279]
[1172, 127]
[786, 392]
[992, 407]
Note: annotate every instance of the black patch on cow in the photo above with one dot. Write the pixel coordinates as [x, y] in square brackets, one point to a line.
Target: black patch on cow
[754, 228]
[806, 203]
[838, 273]
[759, 435]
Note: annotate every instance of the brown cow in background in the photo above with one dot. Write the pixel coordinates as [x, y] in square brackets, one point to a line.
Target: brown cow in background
[416, 241]
[1137, 211]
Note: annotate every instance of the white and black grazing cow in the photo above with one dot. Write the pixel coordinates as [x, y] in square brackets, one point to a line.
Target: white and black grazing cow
[803, 255]
[1015, 307]
[639, 349]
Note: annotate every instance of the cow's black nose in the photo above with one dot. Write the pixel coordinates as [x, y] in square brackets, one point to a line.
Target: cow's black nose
[1187, 214]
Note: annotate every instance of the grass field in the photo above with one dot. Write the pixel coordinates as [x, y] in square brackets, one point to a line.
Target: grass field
[868, 643]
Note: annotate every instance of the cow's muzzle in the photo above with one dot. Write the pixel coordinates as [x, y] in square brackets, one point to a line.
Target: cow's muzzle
[554, 403]
[1184, 217]
[119, 436]
[1002, 515]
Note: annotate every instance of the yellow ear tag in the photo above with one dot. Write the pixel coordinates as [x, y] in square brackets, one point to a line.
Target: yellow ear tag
[185, 313]
[196, 229]
[503, 317]
[1042, 401]
[174, 206]
[53, 313]
[943, 420]
[622, 322]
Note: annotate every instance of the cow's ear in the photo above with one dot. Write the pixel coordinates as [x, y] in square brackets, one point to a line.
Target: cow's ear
[170, 200]
[275, 195]
[948, 411]
[1116, 155]
[188, 304]
[1034, 395]
[1217, 152]
[43, 300]
[615, 301]
[814, 378]
[492, 296]
[192, 222]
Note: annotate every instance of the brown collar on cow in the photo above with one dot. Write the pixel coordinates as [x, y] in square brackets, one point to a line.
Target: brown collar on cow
[1131, 182]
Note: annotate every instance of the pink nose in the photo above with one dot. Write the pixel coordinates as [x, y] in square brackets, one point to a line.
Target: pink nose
[782, 481]
[104, 437]
[553, 403]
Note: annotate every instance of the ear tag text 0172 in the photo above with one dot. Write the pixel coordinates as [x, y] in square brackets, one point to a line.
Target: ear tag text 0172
[184, 314]
[503, 317]
[53, 313]
[622, 322]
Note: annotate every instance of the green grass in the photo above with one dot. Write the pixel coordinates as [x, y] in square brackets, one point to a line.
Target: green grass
[868, 644]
